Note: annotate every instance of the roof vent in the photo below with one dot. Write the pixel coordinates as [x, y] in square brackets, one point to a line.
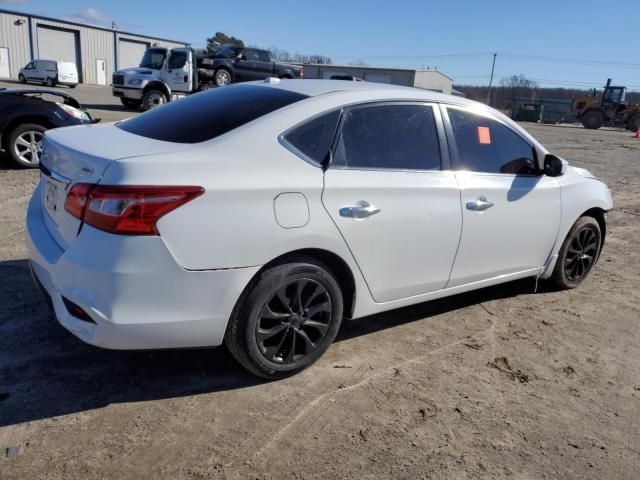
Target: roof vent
[271, 80]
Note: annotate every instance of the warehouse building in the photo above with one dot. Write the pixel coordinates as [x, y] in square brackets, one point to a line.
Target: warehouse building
[96, 51]
[427, 79]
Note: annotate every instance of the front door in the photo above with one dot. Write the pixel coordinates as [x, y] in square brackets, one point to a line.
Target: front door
[178, 75]
[395, 205]
[245, 66]
[101, 72]
[5, 71]
[511, 211]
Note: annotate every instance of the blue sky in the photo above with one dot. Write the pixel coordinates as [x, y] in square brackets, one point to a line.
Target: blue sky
[558, 43]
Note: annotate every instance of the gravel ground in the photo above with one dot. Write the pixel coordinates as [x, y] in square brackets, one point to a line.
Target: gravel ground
[499, 383]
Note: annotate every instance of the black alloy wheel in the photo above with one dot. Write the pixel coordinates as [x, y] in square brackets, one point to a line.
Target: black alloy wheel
[294, 321]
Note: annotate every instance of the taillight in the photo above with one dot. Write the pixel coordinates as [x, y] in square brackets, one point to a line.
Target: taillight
[126, 210]
[301, 72]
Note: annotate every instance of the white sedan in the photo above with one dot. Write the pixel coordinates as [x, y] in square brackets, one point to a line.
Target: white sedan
[261, 214]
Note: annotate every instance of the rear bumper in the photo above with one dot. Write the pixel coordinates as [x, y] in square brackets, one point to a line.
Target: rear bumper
[124, 92]
[132, 288]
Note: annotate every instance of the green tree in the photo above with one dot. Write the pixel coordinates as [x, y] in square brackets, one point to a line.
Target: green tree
[220, 40]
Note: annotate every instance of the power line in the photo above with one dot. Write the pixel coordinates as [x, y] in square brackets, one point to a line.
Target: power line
[574, 61]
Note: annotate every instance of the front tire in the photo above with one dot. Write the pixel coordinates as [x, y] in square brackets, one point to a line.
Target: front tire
[578, 254]
[593, 120]
[153, 99]
[21, 79]
[24, 145]
[286, 319]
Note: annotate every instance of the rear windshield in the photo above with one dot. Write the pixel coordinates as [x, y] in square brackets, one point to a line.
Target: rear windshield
[209, 114]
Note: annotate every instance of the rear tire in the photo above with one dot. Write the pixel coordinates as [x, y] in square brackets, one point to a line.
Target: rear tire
[72, 86]
[50, 82]
[634, 123]
[153, 99]
[593, 120]
[24, 145]
[285, 319]
[578, 253]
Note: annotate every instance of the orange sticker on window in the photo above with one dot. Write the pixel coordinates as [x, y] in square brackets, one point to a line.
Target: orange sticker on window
[484, 136]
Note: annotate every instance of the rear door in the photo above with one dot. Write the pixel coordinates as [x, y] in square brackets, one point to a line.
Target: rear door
[511, 211]
[393, 198]
[264, 65]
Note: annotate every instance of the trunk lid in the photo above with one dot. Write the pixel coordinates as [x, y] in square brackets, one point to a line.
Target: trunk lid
[81, 155]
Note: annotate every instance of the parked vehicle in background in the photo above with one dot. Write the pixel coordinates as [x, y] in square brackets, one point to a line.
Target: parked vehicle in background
[50, 72]
[26, 114]
[350, 78]
[235, 64]
[609, 108]
[164, 75]
[362, 198]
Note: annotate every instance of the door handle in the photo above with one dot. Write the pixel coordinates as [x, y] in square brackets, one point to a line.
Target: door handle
[361, 210]
[480, 204]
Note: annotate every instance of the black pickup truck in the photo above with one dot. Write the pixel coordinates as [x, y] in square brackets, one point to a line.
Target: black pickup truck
[234, 64]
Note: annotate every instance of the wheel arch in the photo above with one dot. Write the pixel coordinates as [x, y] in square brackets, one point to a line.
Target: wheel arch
[340, 269]
[599, 214]
[157, 85]
[21, 120]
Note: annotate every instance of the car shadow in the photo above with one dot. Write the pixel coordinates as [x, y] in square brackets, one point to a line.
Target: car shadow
[110, 108]
[46, 372]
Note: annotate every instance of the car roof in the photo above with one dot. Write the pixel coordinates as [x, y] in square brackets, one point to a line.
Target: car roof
[312, 88]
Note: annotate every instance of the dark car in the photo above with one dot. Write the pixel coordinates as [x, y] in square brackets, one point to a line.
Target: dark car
[235, 64]
[25, 114]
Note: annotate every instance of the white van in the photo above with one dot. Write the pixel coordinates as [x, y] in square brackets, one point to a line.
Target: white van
[50, 72]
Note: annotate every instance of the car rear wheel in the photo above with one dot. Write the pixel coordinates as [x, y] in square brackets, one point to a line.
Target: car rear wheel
[222, 77]
[21, 78]
[593, 120]
[286, 319]
[152, 99]
[634, 123]
[25, 145]
[50, 82]
[578, 254]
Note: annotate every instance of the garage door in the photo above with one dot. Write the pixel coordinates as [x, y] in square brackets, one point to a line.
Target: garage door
[54, 44]
[130, 53]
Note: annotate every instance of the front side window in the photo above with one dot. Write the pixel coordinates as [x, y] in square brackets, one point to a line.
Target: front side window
[389, 137]
[209, 114]
[250, 55]
[153, 58]
[177, 60]
[314, 137]
[487, 146]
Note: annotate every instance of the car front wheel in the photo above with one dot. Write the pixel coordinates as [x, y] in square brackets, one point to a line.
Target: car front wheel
[152, 99]
[578, 254]
[222, 77]
[21, 78]
[286, 319]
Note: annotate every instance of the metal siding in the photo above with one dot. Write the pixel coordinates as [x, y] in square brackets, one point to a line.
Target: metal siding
[16, 39]
[94, 43]
[433, 80]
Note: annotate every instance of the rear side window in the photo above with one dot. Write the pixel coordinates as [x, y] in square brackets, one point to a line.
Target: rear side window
[487, 146]
[314, 137]
[263, 57]
[400, 137]
[209, 114]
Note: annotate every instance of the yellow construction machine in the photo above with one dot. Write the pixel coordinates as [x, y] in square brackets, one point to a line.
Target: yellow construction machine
[609, 108]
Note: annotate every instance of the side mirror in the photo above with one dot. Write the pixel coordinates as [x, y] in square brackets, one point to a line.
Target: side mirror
[553, 166]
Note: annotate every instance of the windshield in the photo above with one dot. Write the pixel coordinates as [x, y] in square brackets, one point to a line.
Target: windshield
[228, 52]
[153, 58]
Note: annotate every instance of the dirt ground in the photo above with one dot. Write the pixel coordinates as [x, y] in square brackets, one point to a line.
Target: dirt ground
[499, 383]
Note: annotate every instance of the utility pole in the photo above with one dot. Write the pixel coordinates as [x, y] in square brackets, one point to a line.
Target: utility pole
[493, 66]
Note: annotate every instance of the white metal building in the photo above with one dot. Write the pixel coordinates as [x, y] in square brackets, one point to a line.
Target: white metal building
[427, 79]
[96, 51]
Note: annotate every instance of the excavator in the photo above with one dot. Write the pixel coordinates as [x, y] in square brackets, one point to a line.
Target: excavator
[610, 108]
